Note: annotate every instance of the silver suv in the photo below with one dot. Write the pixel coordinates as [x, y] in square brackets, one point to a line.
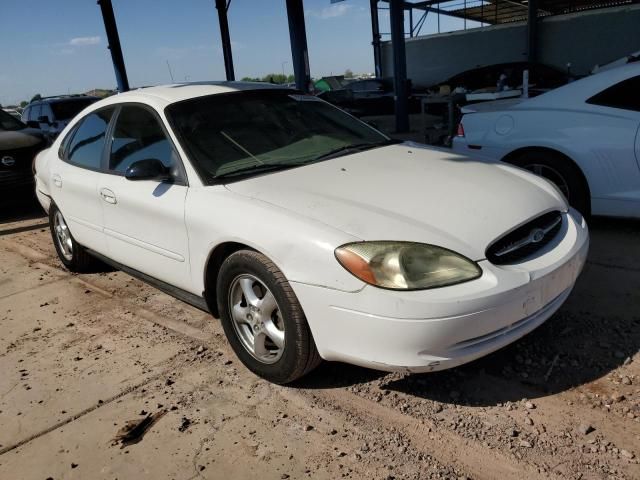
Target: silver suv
[52, 114]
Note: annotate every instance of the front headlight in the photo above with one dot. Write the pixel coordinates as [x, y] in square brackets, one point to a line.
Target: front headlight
[406, 265]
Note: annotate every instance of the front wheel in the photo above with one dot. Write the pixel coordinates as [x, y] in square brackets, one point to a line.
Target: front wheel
[263, 319]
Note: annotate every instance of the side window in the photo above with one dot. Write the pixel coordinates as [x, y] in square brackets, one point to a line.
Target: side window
[624, 95]
[34, 112]
[87, 144]
[138, 135]
[46, 111]
[64, 145]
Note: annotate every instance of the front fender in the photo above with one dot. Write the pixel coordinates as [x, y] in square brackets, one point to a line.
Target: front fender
[303, 249]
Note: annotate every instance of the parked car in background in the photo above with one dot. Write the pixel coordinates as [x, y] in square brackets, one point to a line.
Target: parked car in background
[217, 194]
[372, 96]
[584, 137]
[18, 148]
[541, 77]
[52, 114]
[13, 112]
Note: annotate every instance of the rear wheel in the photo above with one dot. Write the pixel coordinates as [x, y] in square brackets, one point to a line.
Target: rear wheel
[263, 319]
[73, 255]
[560, 171]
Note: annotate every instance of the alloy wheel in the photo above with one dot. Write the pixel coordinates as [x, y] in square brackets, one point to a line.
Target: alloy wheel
[257, 318]
[63, 236]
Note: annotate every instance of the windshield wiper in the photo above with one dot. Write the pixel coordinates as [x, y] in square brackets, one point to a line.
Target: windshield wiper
[265, 167]
[354, 147]
[272, 167]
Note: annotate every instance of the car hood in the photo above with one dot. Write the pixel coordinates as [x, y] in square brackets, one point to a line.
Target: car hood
[412, 193]
[12, 139]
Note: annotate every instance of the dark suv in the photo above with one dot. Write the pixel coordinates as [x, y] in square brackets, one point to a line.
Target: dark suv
[19, 145]
[52, 114]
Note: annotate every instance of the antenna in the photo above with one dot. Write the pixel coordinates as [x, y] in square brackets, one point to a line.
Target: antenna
[170, 72]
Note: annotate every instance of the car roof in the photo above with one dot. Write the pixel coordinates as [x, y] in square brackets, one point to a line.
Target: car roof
[61, 98]
[184, 91]
[581, 90]
[68, 99]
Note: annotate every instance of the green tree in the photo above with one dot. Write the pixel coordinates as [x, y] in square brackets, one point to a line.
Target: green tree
[291, 79]
[24, 103]
[348, 73]
[275, 78]
[36, 97]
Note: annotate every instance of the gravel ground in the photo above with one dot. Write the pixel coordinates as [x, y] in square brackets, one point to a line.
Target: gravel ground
[82, 355]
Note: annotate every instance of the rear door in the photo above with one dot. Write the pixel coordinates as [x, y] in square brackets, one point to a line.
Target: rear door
[74, 179]
[144, 220]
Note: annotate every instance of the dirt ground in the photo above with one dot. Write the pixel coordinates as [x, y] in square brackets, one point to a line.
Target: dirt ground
[81, 355]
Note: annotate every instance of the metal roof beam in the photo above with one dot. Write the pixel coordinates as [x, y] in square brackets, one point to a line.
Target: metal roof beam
[114, 47]
[223, 7]
[298, 38]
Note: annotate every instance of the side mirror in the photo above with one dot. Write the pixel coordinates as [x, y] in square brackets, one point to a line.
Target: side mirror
[33, 124]
[148, 169]
[44, 119]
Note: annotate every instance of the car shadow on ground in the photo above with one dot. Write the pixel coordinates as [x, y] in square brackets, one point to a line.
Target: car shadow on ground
[18, 207]
[24, 207]
[596, 331]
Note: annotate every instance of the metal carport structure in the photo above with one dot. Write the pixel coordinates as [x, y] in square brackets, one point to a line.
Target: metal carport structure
[484, 11]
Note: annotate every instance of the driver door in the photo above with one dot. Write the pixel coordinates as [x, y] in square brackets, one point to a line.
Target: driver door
[144, 222]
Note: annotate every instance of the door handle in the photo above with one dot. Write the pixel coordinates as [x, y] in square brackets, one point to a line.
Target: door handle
[57, 180]
[108, 196]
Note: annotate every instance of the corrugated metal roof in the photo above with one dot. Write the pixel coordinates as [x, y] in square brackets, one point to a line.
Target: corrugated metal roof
[506, 11]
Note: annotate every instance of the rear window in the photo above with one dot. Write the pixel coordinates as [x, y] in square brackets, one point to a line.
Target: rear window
[7, 122]
[86, 147]
[67, 109]
[624, 95]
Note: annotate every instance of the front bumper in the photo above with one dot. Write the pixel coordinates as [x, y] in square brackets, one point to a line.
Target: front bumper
[11, 181]
[437, 329]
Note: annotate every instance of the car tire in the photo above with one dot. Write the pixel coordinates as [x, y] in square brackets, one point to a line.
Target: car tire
[282, 349]
[72, 255]
[562, 172]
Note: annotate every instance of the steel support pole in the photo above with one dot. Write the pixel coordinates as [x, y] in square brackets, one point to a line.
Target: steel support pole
[222, 6]
[396, 10]
[410, 22]
[376, 37]
[532, 31]
[298, 38]
[113, 41]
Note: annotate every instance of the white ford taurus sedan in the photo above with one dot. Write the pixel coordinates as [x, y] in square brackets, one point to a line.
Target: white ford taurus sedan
[584, 137]
[308, 233]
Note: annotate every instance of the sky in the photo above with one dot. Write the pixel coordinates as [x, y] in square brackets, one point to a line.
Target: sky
[59, 46]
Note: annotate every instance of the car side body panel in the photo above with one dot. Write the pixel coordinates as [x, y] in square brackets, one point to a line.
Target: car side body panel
[302, 248]
[601, 145]
[602, 141]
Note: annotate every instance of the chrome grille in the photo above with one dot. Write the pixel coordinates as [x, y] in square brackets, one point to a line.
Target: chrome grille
[526, 240]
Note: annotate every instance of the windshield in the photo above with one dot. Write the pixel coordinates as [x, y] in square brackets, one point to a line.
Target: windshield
[8, 122]
[67, 109]
[262, 130]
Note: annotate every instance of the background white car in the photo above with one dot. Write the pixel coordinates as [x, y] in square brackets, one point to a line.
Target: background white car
[310, 234]
[584, 137]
